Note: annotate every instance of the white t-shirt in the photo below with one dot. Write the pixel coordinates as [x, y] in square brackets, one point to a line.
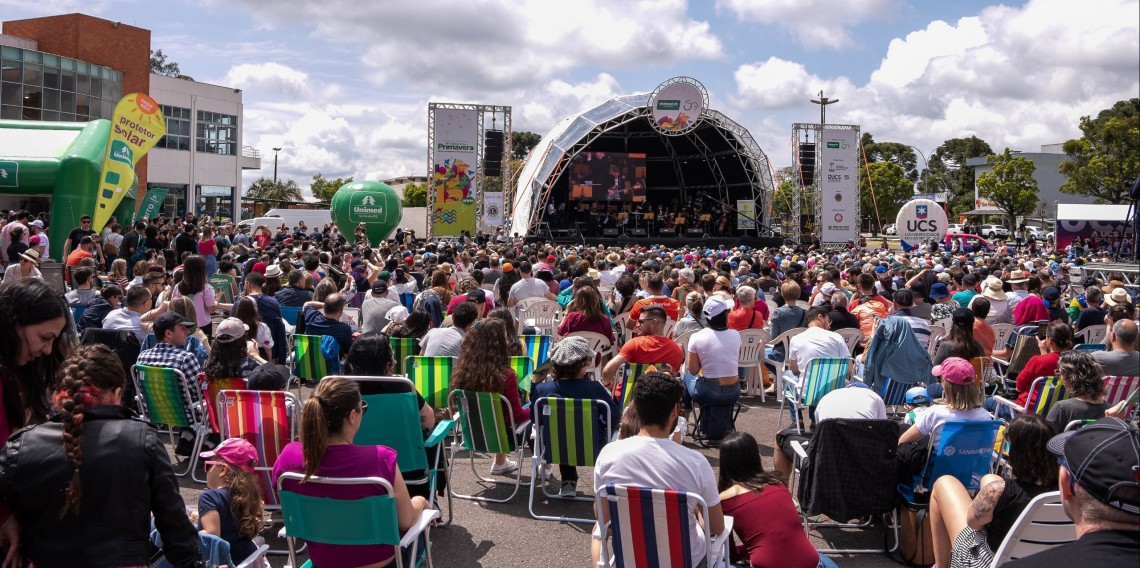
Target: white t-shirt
[940, 413]
[851, 402]
[660, 463]
[816, 342]
[529, 288]
[718, 351]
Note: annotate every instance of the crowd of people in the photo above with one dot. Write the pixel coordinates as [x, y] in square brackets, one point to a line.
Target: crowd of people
[215, 301]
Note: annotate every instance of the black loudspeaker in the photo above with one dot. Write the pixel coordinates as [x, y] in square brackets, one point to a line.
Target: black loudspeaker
[695, 232]
[493, 153]
[638, 232]
[610, 232]
[667, 232]
[807, 163]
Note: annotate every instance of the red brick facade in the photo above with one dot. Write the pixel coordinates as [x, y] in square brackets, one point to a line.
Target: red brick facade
[94, 40]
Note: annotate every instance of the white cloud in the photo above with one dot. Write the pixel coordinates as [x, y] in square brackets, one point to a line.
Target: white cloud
[1016, 77]
[813, 23]
[270, 79]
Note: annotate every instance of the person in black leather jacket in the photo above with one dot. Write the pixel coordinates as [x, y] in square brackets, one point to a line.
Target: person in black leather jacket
[82, 487]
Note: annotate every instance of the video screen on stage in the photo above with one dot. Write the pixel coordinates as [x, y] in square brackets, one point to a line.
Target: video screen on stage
[607, 176]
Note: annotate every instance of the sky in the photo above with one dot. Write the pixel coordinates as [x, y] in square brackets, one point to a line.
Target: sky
[342, 86]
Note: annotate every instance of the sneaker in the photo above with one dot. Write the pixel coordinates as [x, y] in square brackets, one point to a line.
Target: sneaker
[185, 445]
[548, 471]
[504, 468]
[569, 489]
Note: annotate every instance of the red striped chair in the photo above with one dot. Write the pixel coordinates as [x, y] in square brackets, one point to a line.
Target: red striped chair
[264, 419]
[1117, 388]
[651, 527]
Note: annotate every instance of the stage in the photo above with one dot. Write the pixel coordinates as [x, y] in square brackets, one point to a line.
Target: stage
[672, 242]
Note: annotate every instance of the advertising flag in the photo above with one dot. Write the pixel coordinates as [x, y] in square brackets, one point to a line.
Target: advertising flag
[839, 189]
[151, 203]
[136, 126]
[453, 172]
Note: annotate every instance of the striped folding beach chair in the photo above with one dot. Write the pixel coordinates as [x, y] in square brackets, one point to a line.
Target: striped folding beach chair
[524, 369]
[309, 362]
[214, 386]
[537, 347]
[623, 386]
[487, 427]
[1043, 394]
[567, 432]
[402, 348]
[653, 527]
[167, 398]
[820, 376]
[266, 419]
[894, 395]
[432, 377]
[1117, 388]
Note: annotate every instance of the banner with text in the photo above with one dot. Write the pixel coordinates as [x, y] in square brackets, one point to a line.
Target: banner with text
[839, 185]
[492, 210]
[152, 203]
[745, 214]
[136, 126]
[453, 172]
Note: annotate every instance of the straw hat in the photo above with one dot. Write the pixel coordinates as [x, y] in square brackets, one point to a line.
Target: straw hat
[33, 256]
[1117, 297]
[1018, 277]
[991, 289]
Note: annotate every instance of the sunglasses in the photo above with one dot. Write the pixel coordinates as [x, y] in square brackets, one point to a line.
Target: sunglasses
[363, 407]
[1072, 476]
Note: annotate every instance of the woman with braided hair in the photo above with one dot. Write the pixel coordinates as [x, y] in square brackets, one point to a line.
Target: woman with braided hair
[83, 487]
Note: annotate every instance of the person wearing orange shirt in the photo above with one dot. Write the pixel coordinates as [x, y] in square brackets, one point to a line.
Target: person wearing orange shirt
[86, 245]
[747, 314]
[655, 286]
[650, 347]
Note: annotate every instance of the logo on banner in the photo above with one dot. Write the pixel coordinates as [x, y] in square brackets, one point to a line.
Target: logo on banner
[838, 217]
[676, 105]
[669, 105]
[920, 211]
[493, 211]
[368, 200]
[920, 220]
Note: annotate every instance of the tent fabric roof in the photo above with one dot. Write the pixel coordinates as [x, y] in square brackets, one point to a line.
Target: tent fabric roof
[1087, 212]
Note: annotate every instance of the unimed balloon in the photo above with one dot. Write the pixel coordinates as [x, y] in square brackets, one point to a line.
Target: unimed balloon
[372, 203]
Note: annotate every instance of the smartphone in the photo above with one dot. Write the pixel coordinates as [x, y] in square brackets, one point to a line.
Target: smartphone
[1042, 329]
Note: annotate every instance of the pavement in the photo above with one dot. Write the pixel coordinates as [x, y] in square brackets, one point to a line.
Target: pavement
[505, 535]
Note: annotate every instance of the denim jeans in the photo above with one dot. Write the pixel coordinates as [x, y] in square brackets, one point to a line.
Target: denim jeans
[716, 420]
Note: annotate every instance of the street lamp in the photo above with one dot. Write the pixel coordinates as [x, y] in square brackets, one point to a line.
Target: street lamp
[275, 151]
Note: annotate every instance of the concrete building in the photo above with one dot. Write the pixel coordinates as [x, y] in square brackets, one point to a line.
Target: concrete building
[76, 68]
[1049, 178]
[399, 183]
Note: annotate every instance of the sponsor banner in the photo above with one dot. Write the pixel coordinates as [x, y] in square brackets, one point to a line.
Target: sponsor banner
[152, 203]
[492, 210]
[920, 220]
[1111, 234]
[745, 214]
[839, 185]
[136, 126]
[9, 174]
[453, 172]
[676, 108]
[985, 206]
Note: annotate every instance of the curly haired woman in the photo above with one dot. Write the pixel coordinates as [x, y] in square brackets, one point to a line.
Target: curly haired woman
[1084, 379]
[484, 350]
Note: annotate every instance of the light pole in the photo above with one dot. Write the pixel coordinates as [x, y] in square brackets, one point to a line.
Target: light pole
[275, 151]
[823, 101]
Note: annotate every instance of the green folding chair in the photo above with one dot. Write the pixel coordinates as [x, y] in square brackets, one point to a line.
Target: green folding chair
[623, 385]
[347, 522]
[524, 369]
[820, 376]
[394, 421]
[432, 377]
[1044, 392]
[487, 427]
[402, 348]
[537, 348]
[309, 363]
[167, 398]
[567, 432]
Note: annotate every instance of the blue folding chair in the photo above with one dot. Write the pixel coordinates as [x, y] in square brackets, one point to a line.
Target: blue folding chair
[964, 449]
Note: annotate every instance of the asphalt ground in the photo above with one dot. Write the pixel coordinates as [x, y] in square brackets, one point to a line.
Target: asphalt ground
[505, 535]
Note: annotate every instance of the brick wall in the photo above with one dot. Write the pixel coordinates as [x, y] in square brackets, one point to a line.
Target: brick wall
[95, 40]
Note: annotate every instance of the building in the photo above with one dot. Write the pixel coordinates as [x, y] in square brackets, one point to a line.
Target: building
[76, 68]
[1049, 178]
[399, 183]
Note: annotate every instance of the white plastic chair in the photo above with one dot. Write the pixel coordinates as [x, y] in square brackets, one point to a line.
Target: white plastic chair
[852, 336]
[600, 344]
[752, 343]
[784, 339]
[545, 314]
[1042, 525]
[1002, 332]
[1091, 334]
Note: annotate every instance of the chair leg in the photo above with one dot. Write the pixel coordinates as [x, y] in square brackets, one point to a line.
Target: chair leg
[199, 440]
[517, 482]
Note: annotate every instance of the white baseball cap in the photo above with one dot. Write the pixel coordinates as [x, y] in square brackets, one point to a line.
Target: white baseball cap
[715, 305]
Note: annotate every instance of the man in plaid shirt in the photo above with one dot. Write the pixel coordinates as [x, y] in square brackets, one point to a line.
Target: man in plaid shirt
[172, 331]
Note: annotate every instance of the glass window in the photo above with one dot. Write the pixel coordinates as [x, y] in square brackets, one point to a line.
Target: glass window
[82, 67]
[31, 113]
[177, 128]
[67, 81]
[10, 52]
[50, 115]
[216, 201]
[51, 77]
[11, 70]
[108, 86]
[32, 56]
[217, 133]
[175, 203]
[51, 60]
[12, 94]
[67, 63]
[10, 111]
[117, 93]
[33, 96]
[67, 102]
[33, 74]
[83, 83]
[96, 87]
[51, 99]
[82, 105]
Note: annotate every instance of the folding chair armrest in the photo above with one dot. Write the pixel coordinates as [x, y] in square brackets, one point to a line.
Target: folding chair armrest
[798, 448]
[522, 427]
[720, 540]
[792, 379]
[422, 524]
[1011, 404]
[442, 429]
[281, 533]
[1000, 361]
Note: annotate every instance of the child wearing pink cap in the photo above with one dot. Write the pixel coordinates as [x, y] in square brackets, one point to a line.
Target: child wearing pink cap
[232, 507]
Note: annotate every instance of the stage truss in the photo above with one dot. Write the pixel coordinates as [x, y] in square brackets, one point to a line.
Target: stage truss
[810, 191]
[744, 147]
[482, 111]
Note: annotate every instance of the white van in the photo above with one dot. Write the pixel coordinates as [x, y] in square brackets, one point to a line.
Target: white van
[274, 218]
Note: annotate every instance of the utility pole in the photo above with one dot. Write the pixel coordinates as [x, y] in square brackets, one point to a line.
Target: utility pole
[823, 101]
[275, 151]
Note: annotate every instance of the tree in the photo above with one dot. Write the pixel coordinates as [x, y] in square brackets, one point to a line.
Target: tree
[783, 199]
[160, 65]
[276, 192]
[947, 170]
[415, 195]
[1105, 161]
[894, 152]
[323, 189]
[1010, 185]
[522, 143]
[891, 190]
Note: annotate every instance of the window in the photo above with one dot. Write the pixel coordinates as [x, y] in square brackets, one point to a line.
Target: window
[217, 133]
[216, 201]
[42, 86]
[177, 128]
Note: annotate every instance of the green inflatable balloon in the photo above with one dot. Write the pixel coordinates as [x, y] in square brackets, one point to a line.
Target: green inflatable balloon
[372, 203]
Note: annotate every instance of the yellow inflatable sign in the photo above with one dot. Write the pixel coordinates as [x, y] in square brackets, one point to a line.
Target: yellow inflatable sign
[136, 127]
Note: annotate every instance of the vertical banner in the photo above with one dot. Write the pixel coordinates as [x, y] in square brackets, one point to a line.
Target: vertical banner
[745, 214]
[839, 185]
[151, 204]
[492, 210]
[136, 126]
[453, 172]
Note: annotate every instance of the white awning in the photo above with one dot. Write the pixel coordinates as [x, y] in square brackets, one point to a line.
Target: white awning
[1086, 212]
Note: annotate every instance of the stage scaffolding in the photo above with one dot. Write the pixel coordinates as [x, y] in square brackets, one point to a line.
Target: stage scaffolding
[495, 112]
[809, 191]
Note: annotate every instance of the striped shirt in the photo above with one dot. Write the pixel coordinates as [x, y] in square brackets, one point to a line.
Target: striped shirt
[920, 326]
